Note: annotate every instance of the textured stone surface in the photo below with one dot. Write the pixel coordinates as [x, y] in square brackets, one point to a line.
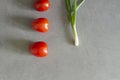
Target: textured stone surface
[97, 58]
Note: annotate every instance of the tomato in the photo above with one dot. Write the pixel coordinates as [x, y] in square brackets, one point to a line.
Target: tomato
[42, 5]
[41, 24]
[39, 49]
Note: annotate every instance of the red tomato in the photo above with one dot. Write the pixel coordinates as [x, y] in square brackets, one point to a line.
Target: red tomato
[39, 49]
[42, 5]
[41, 24]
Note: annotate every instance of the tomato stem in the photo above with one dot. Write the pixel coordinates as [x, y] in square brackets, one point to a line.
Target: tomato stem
[72, 12]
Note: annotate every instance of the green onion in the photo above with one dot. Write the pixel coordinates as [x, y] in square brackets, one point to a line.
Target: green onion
[72, 9]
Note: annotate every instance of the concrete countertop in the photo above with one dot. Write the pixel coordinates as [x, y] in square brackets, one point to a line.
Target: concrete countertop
[97, 57]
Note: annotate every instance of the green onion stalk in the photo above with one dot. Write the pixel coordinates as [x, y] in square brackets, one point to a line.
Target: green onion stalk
[72, 9]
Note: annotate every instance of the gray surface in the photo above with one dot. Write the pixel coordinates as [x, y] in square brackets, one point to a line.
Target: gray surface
[97, 58]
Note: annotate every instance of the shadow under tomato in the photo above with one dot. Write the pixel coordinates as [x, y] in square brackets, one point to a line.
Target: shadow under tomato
[25, 4]
[22, 22]
[18, 46]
